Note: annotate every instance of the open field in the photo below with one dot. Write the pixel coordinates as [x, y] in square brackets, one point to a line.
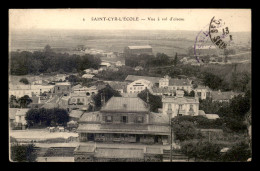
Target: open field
[168, 42]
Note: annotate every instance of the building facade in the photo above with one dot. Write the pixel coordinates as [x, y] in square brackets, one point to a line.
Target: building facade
[137, 50]
[138, 86]
[62, 88]
[179, 105]
[124, 120]
[30, 90]
[175, 84]
[91, 153]
[202, 92]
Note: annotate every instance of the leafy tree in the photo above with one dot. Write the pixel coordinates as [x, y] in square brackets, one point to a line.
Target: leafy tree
[24, 80]
[239, 152]
[24, 101]
[14, 102]
[155, 102]
[201, 150]
[23, 153]
[107, 93]
[192, 93]
[47, 116]
[184, 130]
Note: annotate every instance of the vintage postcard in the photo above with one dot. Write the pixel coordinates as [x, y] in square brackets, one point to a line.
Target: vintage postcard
[129, 85]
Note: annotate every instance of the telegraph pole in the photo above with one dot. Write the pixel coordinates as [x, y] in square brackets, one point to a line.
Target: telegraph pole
[170, 123]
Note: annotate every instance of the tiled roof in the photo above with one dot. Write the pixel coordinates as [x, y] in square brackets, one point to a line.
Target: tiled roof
[90, 117]
[158, 118]
[63, 83]
[216, 95]
[163, 90]
[136, 77]
[117, 85]
[88, 127]
[35, 99]
[50, 105]
[180, 99]
[12, 112]
[21, 112]
[179, 82]
[125, 104]
[165, 129]
[119, 153]
[153, 150]
[76, 113]
[85, 148]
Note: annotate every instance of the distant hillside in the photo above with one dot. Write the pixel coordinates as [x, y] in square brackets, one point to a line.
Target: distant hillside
[168, 42]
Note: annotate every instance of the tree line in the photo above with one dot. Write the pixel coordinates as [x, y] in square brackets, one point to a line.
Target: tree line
[47, 117]
[47, 61]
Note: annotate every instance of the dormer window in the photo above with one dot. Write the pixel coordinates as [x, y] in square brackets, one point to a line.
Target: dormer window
[140, 119]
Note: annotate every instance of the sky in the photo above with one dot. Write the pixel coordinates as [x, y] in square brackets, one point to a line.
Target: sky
[238, 20]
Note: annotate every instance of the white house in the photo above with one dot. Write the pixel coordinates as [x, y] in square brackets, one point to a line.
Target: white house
[179, 105]
[138, 86]
[22, 90]
[20, 117]
[175, 84]
[202, 92]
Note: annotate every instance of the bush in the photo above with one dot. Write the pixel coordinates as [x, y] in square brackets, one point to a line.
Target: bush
[23, 153]
[24, 80]
[239, 152]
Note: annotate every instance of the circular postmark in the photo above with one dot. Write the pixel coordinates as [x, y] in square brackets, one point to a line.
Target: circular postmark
[219, 33]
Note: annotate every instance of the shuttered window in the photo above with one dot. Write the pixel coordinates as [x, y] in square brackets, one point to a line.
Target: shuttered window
[124, 119]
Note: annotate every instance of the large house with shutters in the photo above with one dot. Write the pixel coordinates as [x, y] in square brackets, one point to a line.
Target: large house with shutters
[175, 84]
[124, 120]
[179, 105]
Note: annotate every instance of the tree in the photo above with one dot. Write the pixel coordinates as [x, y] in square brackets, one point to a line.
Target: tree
[175, 61]
[106, 94]
[155, 102]
[239, 152]
[24, 101]
[47, 116]
[24, 80]
[14, 102]
[201, 150]
[47, 49]
[192, 93]
[23, 153]
[184, 130]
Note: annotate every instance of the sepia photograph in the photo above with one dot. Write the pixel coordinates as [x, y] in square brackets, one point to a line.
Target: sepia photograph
[129, 85]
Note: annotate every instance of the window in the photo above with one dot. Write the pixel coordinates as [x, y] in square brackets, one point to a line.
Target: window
[140, 119]
[130, 88]
[199, 93]
[180, 107]
[109, 119]
[58, 88]
[124, 119]
[169, 107]
[191, 108]
[20, 118]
